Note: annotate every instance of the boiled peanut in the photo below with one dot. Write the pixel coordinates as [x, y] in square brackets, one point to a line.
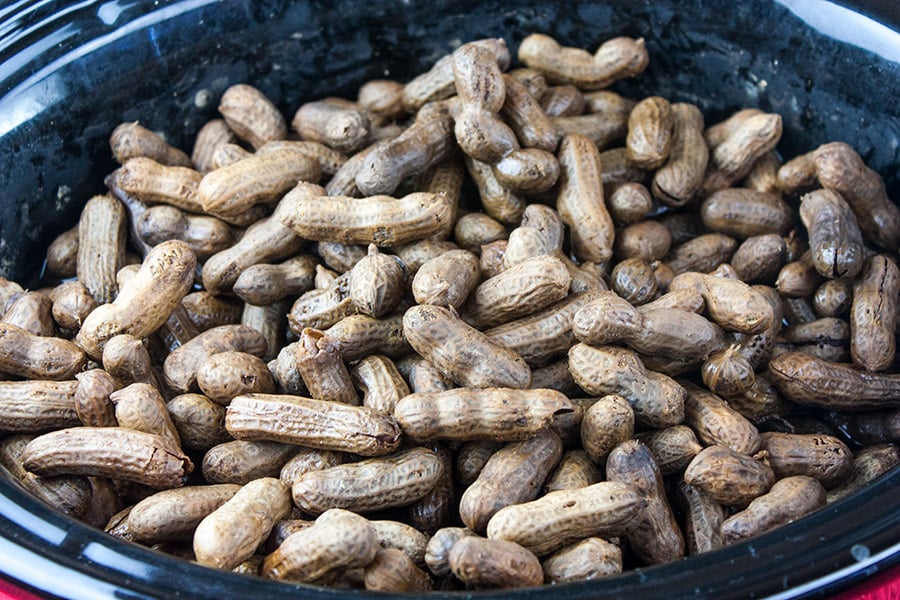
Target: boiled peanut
[679, 180]
[789, 499]
[743, 213]
[589, 559]
[380, 382]
[649, 138]
[181, 365]
[174, 514]
[729, 477]
[200, 422]
[835, 239]
[575, 470]
[241, 461]
[873, 314]
[224, 375]
[822, 457]
[342, 128]
[251, 115]
[377, 283]
[446, 280]
[484, 562]
[672, 448]
[36, 357]
[607, 423]
[617, 58]
[703, 519]
[34, 405]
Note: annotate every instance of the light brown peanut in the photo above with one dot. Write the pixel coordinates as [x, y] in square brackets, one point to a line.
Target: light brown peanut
[251, 115]
[356, 336]
[655, 537]
[132, 139]
[437, 552]
[559, 100]
[559, 518]
[526, 117]
[115, 452]
[312, 423]
[92, 403]
[371, 484]
[681, 177]
[672, 448]
[873, 314]
[380, 383]
[172, 515]
[141, 407]
[340, 127]
[181, 365]
[200, 422]
[656, 399]
[32, 311]
[703, 519]
[733, 158]
[501, 414]
[145, 302]
[461, 352]
[392, 571]
[446, 280]
[224, 375]
[649, 138]
[615, 59]
[587, 560]
[789, 499]
[488, 563]
[733, 304]
[37, 357]
[475, 230]
[322, 368]
[213, 134]
[607, 423]
[512, 475]
[580, 201]
[153, 183]
[743, 213]
[35, 405]
[231, 533]
[126, 358]
[206, 235]
[101, 246]
[717, 423]
[62, 254]
[574, 471]
[377, 283]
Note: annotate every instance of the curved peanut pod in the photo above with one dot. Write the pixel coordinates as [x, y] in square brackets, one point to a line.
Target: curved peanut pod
[372, 484]
[526, 117]
[835, 239]
[656, 537]
[732, 159]
[811, 381]
[482, 562]
[733, 304]
[789, 499]
[501, 414]
[676, 333]
[338, 540]
[548, 333]
[679, 180]
[497, 199]
[715, 422]
[150, 182]
[656, 399]
[520, 290]
[312, 423]
[841, 169]
[205, 234]
[560, 518]
[379, 220]
[34, 405]
[231, 533]
[258, 179]
[109, 452]
[357, 336]
[37, 357]
[172, 515]
[181, 365]
[729, 477]
[580, 202]
[145, 301]
[873, 314]
[461, 352]
[615, 59]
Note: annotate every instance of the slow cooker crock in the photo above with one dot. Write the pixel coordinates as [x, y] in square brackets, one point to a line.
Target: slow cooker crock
[70, 71]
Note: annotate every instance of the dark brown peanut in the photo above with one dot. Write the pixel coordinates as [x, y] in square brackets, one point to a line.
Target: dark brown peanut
[126, 358]
[559, 100]
[574, 471]
[823, 457]
[446, 280]
[172, 515]
[833, 298]
[759, 258]
[437, 552]
[500, 414]
[526, 117]
[393, 571]
[312, 423]
[461, 352]
[224, 375]
[729, 477]
[92, 403]
[514, 474]
[372, 484]
[322, 368]
[672, 448]
[717, 423]
[62, 254]
[789, 499]
[680, 179]
[436, 508]
[471, 458]
[733, 158]
[701, 254]
[240, 461]
[869, 464]
[703, 519]
[115, 452]
[873, 314]
[644, 240]
[487, 563]
[655, 537]
[307, 460]
[733, 304]
[200, 422]
[207, 311]
[835, 240]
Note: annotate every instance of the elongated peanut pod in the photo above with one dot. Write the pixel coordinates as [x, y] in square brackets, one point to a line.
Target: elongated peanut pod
[788, 500]
[560, 518]
[501, 414]
[615, 59]
[461, 352]
[101, 246]
[109, 452]
[873, 314]
[35, 405]
[36, 357]
[145, 302]
[312, 423]
[172, 515]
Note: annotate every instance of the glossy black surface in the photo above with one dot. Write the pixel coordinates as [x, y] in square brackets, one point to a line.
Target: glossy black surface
[71, 71]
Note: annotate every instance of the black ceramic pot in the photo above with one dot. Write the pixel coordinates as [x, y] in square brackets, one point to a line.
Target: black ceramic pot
[70, 71]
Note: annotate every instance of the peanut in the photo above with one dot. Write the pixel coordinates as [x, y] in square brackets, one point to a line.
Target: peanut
[822, 457]
[141, 407]
[680, 179]
[873, 314]
[377, 283]
[172, 515]
[607, 423]
[617, 58]
[574, 471]
[37, 357]
[591, 558]
[240, 461]
[729, 477]
[204, 234]
[446, 280]
[213, 134]
[481, 562]
[101, 246]
[251, 115]
[343, 128]
[835, 239]
[759, 258]
[92, 403]
[200, 422]
[392, 571]
[224, 375]
[35, 406]
[789, 499]
[380, 382]
[31, 311]
[128, 140]
[703, 519]
[672, 448]
[650, 125]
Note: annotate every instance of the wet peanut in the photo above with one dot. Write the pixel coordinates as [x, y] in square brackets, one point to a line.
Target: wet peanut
[35, 406]
[649, 138]
[240, 461]
[868, 464]
[500, 414]
[733, 304]
[372, 484]
[729, 477]
[703, 519]
[126, 358]
[733, 158]
[206, 235]
[312, 423]
[799, 278]
[446, 280]
[833, 298]
[115, 452]
[526, 117]
[224, 375]
[759, 258]
[132, 139]
[174, 514]
[101, 246]
[835, 239]
[681, 177]
[587, 560]
[701, 254]
[37, 357]
[644, 240]
[574, 471]
[655, 536]
[512, 475]
[607, 423]
[481, 562]
[141, 407]
[251, 115]
[717, 423]
[200, 422]
[789, 499]
[743, 213]
[392, 571]
[231, 533]
[822, 457]
[873, 314]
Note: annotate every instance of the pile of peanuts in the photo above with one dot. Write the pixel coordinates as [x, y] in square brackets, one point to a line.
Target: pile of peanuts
[612, 344]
